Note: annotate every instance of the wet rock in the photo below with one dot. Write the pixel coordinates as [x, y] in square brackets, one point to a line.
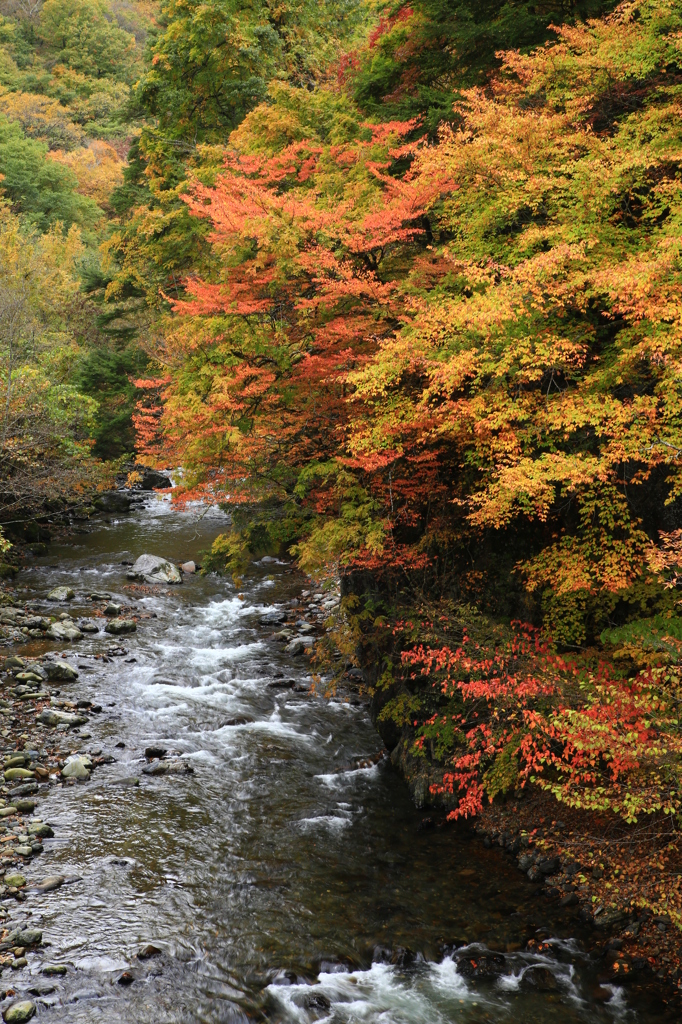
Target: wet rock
[50, 883]
[13, 662]
[64, 632]
[239, 720]
[28, 677]
[25, 937]
[152, 752]
[113, 610]
[148, 951]
[485, 965]
[51, 970]
[15, 879]
[25, 806]
[189, 568]
[44, 989]
[49, 716]
[317, 1001]
[154, 569]
[40, 829]
[539, 978]
[61, 594]
[155, 768]
[112, 501]
[77, 768]
[570, 900]
[18, 963]
[19, 1012]
[88, 627]
[153, 480]
[24, 790]
[5, 812]
[18, 761]
[99, 595]
[609, 918]
[126, 978]
[18, 773]
[60, 671]
[119, 626]
[548, 865]
[282, 684]
[272, 618]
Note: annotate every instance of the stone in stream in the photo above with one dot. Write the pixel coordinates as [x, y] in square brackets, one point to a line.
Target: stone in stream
[77, 768]
[98, 595]
[272, 618]
[50, 883]
[13, 662]
[26, 789]
[152, 752]
[61, 594]
[152, 479]
[19, 1012]
[112, 610]
[50, 970]
[64, 631]
[89, 627]
[148, 951]
[15, 880]
[154, 569]
[17, 761]
[155, 768]
[60, 671]
[12, 774]
[539, 978]
[6, 812]
[25, 806]
[119, 626]
[28, 677]
[40, 829]
[112, 501]
[48, 716]
[189, 568]
[25, 937]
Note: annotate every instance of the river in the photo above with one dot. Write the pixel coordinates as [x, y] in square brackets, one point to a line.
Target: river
[273, 874]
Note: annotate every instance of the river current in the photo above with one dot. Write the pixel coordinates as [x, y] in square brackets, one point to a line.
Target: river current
[279, 881]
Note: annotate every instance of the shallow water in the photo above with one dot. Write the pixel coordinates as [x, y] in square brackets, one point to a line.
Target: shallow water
[269, 875]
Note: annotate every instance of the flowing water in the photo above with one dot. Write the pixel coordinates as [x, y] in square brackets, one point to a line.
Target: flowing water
[275, 874]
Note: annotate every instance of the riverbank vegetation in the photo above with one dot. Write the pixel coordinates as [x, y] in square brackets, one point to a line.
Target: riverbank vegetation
[401, 284]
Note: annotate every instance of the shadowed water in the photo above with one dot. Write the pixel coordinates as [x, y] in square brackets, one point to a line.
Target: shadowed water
[268, 876]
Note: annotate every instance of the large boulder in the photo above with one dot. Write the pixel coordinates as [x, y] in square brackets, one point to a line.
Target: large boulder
[154, 569]
[113, 501]
[63, 631]
[152, 479]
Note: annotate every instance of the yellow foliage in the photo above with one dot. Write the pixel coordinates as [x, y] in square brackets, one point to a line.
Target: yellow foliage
[97, 167]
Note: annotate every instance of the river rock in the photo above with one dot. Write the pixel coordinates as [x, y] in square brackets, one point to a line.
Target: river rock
[19, 1012]
[64, 631]
[12, 774]
[60, 671]
[89, 627]
[155, 768]
[50, 883]
[154, 569]
[296, 646]
[6, 812]
[189, 567]
[53, 718]
[153, 480]
[148, 951]
[119, 626]
[113, 609]
[18, 761]
[28, 677]
[272, 618]
[15, 880]
[40, 829]
[77, 768]
[25, 937]
[61, 594]
[50, 970]
[113, 501]
[152, 752]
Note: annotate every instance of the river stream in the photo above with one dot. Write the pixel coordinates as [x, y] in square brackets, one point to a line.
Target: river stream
[272, 876]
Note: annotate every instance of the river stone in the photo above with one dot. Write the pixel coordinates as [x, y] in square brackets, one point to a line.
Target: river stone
[25, 806]
[152, 752]
[19, 1012]
[119, 626]
[112, 609]
[14, 662]
[51, 717]
[272, 618]
[152, 479]
[5, 812]
[15, 879]
[50, 883]
[28, 677]
[75, 770]
[113, 501]
[148, 951]
[52, 969]
[60, 671]
[25, 937]
[189, 567]
[64, 631]
[41, 829]
[18, 773]
[89, 627]
[16, 762]
[61, 594]
[295, 647]
[154, 569]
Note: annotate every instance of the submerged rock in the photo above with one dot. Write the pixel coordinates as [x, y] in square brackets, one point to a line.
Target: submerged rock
[61, 594]
[154, 569]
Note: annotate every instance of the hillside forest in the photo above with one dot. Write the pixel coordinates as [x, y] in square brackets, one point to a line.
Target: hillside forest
[398, 284]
